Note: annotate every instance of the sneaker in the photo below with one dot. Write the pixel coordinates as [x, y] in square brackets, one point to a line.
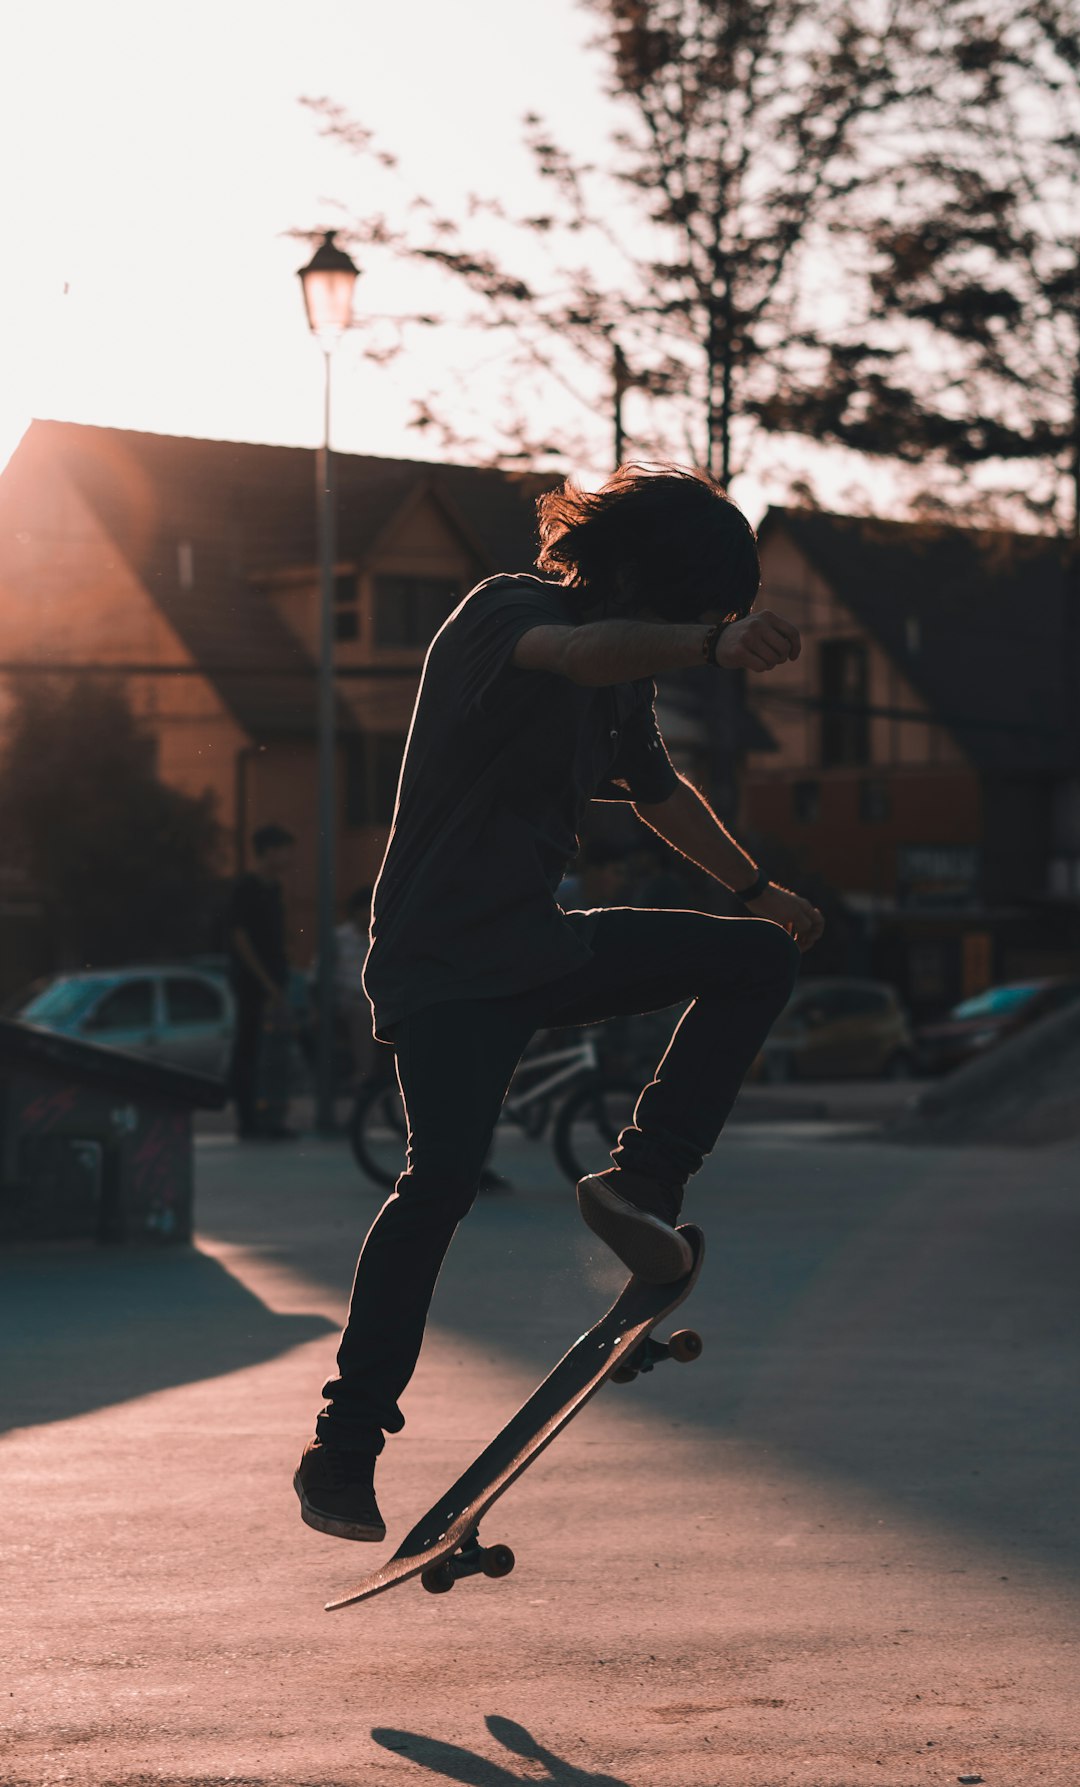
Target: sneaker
[337, 1492]
[636, 1217]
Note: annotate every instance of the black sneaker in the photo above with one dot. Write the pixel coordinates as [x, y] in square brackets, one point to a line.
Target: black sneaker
[636, 1217]
[337, 1492]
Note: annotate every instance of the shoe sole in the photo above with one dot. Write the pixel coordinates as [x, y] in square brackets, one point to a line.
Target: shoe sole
[649, 1247]
[336, 1528]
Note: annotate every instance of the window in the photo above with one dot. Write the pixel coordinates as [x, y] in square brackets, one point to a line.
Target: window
[191, 1001]
[875, 807]
[845, 724]
[372, 768]
[806, 802]
[127, 1007]
[410, 610]
[57, 1004]
[346, 606]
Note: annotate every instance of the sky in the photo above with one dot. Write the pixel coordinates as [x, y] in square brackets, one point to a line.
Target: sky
[153, 160]
[153, 163]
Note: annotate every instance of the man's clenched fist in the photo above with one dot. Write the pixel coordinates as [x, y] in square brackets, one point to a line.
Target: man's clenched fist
[759, 643]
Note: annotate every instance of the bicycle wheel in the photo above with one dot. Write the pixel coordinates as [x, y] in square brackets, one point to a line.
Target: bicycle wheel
[588, 1124]
[378, 1133]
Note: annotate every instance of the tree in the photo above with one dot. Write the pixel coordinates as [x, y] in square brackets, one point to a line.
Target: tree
[968, 353]
[124, 864]
[743, 129]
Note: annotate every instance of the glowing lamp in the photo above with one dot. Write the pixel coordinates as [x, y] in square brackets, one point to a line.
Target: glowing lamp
[328, 281]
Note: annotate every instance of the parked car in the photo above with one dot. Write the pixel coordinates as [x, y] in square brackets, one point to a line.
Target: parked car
[839, 1029]
[172, 1013]
[977, 1024]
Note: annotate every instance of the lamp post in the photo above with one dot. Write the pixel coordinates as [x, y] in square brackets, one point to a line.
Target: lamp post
[327, 282]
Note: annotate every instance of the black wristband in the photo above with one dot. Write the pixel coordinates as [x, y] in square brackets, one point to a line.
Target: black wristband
[710, 643]
[755, 890]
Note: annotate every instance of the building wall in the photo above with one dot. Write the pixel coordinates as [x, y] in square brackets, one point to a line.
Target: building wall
[930, 793]
[278, 777]
[68, 596]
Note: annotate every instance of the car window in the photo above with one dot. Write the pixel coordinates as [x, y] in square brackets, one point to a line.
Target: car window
[129, 1006]
[191, 1001]
[62, 1000]
[996, 1001]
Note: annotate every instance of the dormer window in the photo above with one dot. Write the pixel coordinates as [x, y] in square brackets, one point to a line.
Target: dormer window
[346, 606]
[845, 723]
[410, 610]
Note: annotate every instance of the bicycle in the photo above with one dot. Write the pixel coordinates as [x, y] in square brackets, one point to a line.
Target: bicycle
[570, 1089]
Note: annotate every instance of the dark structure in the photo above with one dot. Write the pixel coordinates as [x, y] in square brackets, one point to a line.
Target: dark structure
[94, 1144]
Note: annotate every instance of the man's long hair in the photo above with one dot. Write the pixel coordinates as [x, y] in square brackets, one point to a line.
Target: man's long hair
[654, 535]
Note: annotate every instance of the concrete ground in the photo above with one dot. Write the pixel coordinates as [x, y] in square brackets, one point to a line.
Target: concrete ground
[840, 1549]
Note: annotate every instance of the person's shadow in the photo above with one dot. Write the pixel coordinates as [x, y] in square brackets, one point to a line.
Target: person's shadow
[452, 1763]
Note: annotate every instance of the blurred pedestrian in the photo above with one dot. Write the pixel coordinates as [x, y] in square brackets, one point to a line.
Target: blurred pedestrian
[259, 972]
[604, 866]
[350, 999]
[654, 878]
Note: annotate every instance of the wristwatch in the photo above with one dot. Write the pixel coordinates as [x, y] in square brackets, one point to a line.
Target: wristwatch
[755, 890]
[710, 642]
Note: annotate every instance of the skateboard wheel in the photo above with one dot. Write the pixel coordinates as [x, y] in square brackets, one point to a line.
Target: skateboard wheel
[498, 1560]
[439, 1580]
[685, 1345]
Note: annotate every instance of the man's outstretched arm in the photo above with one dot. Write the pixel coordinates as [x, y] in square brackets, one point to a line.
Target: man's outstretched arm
[687, 822]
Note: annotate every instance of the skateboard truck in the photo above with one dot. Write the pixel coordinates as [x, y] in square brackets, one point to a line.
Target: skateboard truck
[683, 1346]
[470, 1559]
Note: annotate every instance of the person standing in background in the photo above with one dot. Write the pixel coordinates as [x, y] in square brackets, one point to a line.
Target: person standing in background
[258, 970]
[350, 954]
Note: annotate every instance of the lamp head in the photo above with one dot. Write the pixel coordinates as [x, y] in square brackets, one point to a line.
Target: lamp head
[327, 282]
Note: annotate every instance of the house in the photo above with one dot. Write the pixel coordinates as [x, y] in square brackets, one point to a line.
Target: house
[927, 743]
[190, 569]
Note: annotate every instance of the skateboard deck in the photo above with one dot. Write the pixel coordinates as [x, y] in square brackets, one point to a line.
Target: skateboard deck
[445, 1546]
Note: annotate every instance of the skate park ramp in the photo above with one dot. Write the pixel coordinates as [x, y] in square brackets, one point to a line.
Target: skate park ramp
[1024, 1093]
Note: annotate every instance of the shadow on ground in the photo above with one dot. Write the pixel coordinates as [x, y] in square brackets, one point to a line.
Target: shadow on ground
[82, 1327]
[449, 1762]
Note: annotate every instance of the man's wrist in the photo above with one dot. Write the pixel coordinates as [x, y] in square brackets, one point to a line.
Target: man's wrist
[754, 890]
[710, 642]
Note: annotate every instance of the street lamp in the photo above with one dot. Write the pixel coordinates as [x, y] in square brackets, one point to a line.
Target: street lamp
[327, 282]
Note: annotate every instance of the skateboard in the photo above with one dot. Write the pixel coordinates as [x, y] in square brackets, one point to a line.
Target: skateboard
[445, 1545]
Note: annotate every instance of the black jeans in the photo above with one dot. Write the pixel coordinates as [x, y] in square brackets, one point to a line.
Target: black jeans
[243, 1069]
[455, 1062]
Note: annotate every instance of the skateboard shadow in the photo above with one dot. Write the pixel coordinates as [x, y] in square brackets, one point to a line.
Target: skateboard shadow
[84, 1327]
[451, 1763]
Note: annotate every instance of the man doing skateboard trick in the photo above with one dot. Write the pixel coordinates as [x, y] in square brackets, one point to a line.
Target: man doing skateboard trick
[537, 696]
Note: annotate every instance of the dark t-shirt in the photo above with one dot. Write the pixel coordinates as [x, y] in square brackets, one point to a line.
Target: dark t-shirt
[257, 907]
[499, 768]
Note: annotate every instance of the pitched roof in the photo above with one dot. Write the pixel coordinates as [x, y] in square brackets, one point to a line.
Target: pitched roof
[984, 624]
[246, 508]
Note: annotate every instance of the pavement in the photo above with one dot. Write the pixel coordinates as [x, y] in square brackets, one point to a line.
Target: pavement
[839, 1549]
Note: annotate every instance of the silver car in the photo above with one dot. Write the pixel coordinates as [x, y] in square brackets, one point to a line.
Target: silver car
[180, 1016]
